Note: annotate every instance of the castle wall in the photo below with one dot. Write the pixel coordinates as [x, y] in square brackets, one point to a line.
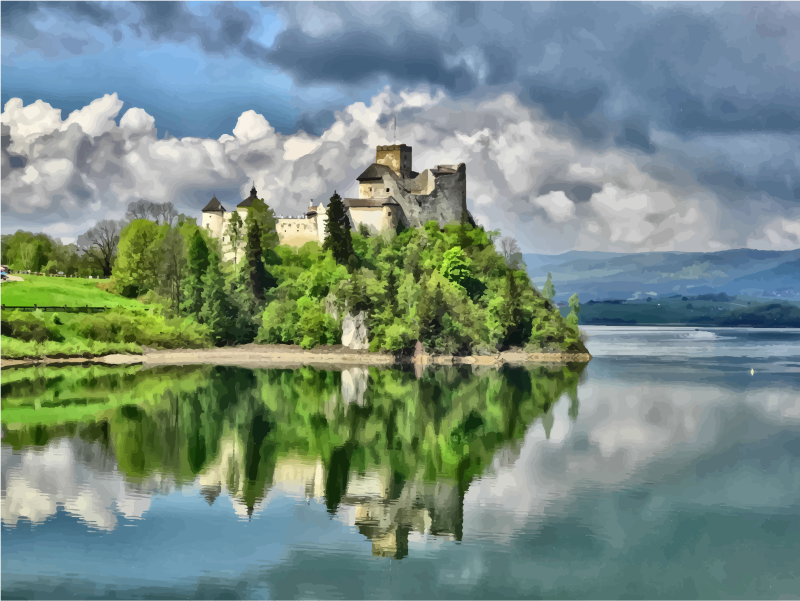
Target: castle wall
[297, 232]
[370, 216]
[445, 203]
[372, 190]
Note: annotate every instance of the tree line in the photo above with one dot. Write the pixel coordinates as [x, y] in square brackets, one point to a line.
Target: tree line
[447, 288]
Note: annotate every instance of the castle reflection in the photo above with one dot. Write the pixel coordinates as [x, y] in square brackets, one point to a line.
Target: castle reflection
[399, 448]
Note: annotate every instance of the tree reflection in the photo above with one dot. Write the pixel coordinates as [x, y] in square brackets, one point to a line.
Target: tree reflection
[401, 448]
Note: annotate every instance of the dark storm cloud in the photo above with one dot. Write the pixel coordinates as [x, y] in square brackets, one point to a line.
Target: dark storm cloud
[225, 30]
[15, 14]
[356, 57]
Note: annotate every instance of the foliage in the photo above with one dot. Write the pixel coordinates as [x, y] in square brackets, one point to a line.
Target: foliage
[197, 264]
[260, 226]
[235, 230]
[549, 291]
[76, 333]
[338, 238]
[448, 288]
[217, 313]
[138, 259]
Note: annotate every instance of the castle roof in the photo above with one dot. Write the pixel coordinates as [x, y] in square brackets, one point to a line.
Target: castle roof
[248, 202]
[374, 172]
[354, 203]
[214, 206]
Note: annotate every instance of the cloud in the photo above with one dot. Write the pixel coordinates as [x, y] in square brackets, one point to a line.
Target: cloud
[74, 475]
[526, 175]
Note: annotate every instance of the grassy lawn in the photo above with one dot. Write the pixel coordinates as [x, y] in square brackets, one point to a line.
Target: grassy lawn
[72, 292]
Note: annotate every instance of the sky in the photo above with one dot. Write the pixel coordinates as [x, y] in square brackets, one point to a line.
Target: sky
[616, 127]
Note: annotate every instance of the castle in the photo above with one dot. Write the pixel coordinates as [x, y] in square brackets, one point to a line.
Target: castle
[389, 192]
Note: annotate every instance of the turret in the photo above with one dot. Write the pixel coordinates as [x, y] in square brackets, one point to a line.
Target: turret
[214, 217]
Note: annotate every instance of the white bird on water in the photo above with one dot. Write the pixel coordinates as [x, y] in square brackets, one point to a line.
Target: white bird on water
[752, 371]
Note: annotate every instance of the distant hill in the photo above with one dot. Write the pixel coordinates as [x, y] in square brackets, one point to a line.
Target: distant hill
[716, 309]
[601, 276]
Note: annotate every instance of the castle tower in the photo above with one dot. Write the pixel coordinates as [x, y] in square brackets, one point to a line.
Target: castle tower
[391, 214]
[214, 217]
[247, 202]
[320, 216]
[397, 157]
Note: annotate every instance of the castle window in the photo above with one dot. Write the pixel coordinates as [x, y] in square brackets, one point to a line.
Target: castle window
[387, 189]
[390, 213]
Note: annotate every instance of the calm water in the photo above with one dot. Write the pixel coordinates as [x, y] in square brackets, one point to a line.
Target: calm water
[664, 469]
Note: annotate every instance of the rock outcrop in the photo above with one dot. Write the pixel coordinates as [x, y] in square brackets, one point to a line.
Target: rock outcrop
[355, 334]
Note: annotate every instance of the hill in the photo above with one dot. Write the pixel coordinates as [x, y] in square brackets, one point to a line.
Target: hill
[600, 276]
[56, 292]
[708, 310]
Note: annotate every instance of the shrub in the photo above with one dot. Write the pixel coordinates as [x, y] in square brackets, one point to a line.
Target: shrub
[28, 327]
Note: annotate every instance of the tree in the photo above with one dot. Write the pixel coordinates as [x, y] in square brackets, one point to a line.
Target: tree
[26, 256]
[508, 247]
[164, 212]
[136, 267]
[198, 262]
[172, 266]
[65, 258]
[455, 266]
[575, 310]
[337, 232]
[141, 209]
[217, 313]
[99, 244]
[549, 290]
[259, 280]
[267, 223]
[235, 227]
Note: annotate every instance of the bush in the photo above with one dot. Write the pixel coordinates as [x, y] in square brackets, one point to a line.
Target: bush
[125, 326]
[28, 327]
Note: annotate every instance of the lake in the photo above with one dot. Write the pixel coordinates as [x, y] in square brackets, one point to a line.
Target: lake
[669, 467]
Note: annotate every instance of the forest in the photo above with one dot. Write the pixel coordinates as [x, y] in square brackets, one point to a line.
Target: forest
[448, 288]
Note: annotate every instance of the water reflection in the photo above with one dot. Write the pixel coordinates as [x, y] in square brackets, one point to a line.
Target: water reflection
[400, 448]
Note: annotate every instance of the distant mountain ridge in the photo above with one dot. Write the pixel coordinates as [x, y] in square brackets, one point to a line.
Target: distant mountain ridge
[601, 275]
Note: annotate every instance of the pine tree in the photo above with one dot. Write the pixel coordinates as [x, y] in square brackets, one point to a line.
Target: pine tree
[198, 264]
[260, 280]
[218, 312]
[337, 232]
[235, 227]
[549, 290]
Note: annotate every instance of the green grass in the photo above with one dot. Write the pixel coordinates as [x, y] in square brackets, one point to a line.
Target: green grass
[11, 348]
[57, 292]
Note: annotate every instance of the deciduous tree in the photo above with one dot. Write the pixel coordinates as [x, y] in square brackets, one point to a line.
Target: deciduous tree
[99, 244]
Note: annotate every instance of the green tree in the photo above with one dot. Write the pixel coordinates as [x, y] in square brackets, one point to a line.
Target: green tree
[136, 267]
[198, 262]
[267, 224]
[259, 279]
[217, 313]
[575, 309]
[455, 266]
[549, 291]
[234, 230]
[338, 237]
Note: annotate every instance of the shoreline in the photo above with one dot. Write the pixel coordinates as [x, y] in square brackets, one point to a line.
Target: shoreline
[255, 355]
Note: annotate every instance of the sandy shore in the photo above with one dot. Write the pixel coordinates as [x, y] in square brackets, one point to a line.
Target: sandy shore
[257, 355]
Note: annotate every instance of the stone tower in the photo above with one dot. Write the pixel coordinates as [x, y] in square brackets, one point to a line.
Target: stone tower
[397, 157]
[214, 217]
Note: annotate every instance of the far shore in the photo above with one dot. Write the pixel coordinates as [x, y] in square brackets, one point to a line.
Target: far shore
[274, 355]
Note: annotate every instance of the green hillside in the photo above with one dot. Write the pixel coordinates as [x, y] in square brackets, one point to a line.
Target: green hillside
[56, 292]
[709, 310]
